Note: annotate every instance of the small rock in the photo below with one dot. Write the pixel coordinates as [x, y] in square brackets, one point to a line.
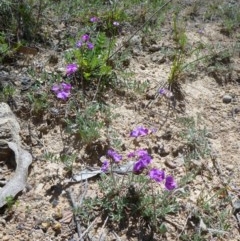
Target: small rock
[227, 99]
[159, 59]
[136, 40]
[236, 110]
[136, 52]
[230, 167]
[154, 48]
[236, 206]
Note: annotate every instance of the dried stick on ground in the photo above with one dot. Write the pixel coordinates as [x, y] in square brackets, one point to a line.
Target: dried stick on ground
[104, 224]
[75, 217]
[87, 230]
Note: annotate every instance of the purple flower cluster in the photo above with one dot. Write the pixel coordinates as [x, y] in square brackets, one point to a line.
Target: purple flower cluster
[114, 155]
[71, 69]
[85, 41]
[94, 19]
[143, 160]
[62, 90]
[159, 176]
[105, 166]
[139, 131]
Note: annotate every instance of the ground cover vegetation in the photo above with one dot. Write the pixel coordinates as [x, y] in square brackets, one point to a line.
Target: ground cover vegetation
[118, 103]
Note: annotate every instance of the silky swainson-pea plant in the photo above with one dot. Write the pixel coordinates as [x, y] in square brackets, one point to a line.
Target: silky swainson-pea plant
[131, 191]
[159, 176]
[139, 131]
[62, 90]
[114, 155]
[105, 166]
[143, 160]
[91, 53]
[170, 183]
[71, 69]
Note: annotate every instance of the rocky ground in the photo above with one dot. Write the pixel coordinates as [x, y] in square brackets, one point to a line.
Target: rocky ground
[208, 116]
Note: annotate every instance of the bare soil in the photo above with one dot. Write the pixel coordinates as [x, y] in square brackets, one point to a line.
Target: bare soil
[44, 209]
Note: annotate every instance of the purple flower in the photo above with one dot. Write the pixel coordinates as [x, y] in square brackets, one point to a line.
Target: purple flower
[105, 166]
[71, 68]
[141, 153]
[157, 175]
[90, 45]
[146, 159]
[114, 155]
[143, 161]
[170, 183]
[115, 23]
[79, 44]
[139, 131]
[162, 91]
[201, 31]
[62, 91]
[94, 19]
[131, 154]
[139, 167]
[167, 93]
[85, 38]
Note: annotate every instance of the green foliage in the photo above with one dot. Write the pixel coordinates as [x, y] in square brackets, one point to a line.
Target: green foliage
[179, 35]
[6, 7]
[231, 19]
[10, 202]
[38, 102]
[21, 18]
[4, 47]
[180, 39]
[93, 63]
[86, 126]
[195, 137]
[67, 160]
[228, 13]
[7, 93]
[131, 198]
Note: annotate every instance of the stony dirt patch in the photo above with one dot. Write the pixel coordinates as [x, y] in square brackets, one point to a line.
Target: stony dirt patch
[44, 208]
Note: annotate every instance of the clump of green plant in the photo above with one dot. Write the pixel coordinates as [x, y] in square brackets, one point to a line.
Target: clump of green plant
[134, 196]
[7, 93]
[86, 126]
[179, 57]
[111, 20]
[10, 202]
[67, 160]
[210, 217]
[195, 137]
[17, 17]
[4, 47]
[38, 102]
[228, 13]
[90, 59]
